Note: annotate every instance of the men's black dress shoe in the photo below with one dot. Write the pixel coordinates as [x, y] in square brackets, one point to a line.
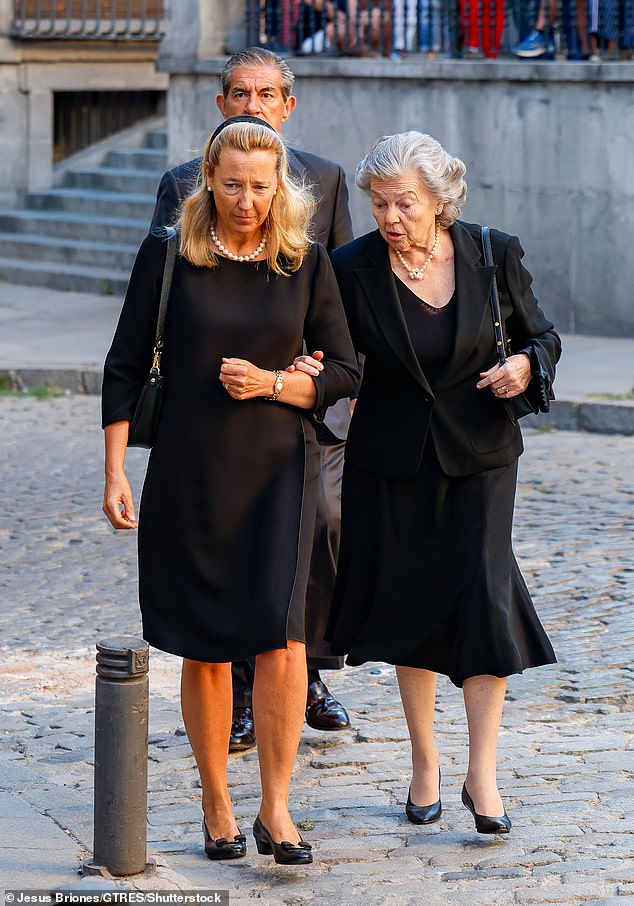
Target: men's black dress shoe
[223, 848]
[242, 730]
[284, 853]
[423, 814]
[483, 823]
[323, 712]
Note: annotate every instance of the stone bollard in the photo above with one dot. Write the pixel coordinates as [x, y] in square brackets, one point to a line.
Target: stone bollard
[121, 734]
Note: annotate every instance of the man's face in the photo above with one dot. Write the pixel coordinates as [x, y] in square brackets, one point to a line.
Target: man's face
[257, 91]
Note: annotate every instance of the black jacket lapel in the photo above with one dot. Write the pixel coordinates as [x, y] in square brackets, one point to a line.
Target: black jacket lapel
[377, 282]
[294, 165]
[473, 285]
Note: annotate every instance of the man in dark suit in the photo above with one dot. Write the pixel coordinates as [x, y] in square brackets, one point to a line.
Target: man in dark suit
[259, 83]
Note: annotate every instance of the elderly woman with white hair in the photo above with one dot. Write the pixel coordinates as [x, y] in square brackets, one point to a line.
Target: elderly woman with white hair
[427, 579]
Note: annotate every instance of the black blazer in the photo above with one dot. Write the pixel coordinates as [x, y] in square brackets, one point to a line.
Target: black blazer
[332, 226]
[471, 429]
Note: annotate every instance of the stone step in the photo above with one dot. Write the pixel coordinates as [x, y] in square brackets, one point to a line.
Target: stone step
[74, 226]
[72, 252]
[84, 233]
[156, 138]
[150, 159]
[97, 201]
[102, 281]
[114, 180]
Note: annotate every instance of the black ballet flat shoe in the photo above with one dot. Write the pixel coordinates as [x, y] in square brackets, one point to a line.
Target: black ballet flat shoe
[284, 853]
[223, 848]
[423, 814]
[483, 823]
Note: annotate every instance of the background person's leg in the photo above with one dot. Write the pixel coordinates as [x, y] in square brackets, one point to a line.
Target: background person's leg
[323, 712]
[242, 728]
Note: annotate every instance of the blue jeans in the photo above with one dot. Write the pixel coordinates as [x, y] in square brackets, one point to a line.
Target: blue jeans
[432, 26]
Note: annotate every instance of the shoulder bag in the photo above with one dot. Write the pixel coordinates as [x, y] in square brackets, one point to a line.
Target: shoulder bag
[144, 422]
[536, 398]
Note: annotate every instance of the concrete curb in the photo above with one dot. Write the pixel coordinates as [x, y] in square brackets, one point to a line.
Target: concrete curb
[596, 416]
[70, 380]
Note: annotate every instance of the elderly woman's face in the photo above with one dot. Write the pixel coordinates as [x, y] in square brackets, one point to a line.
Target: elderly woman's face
[243, 184]
[404, 210]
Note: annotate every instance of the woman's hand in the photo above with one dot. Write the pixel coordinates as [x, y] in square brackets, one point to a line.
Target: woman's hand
[117, 502]
[309, 364]
[117, 498]
[243, 380]
[510, 379]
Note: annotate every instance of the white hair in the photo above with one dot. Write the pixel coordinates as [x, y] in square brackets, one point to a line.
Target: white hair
[392, 156]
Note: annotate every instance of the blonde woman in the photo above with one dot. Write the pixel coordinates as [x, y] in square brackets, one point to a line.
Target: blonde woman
[228, 502]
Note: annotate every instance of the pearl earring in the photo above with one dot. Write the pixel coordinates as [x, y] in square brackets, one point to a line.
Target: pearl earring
[438, 211]
[209, 188]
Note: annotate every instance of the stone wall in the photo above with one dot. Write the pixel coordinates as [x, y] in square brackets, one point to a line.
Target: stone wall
[31, 72]
[548, 147]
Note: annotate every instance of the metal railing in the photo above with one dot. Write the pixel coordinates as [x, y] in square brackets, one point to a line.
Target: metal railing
[116, 20]
[469, 29]
[81, 118]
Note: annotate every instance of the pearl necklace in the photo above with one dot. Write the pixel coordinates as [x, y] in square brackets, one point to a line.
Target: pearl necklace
[233, 257]
[418, 273]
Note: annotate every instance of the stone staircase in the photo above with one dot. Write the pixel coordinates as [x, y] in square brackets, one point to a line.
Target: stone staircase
[83, 234]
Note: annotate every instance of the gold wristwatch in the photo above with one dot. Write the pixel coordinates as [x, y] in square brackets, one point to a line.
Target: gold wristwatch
[278, 386]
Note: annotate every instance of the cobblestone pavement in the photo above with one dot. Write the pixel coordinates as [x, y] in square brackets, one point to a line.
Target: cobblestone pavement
[566, 749]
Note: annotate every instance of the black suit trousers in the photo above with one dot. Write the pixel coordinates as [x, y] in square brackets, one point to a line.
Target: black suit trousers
[321, 581]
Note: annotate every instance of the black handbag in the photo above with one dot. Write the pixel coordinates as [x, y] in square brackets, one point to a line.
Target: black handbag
[536, 398]
[144, 422]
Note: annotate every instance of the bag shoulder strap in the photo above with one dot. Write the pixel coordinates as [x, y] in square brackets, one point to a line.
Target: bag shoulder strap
[166, 285]
[494, 298]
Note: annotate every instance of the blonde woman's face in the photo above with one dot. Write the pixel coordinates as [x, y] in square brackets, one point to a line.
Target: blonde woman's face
[243, 184]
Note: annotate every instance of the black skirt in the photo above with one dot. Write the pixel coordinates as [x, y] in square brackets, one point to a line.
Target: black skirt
[427, 577]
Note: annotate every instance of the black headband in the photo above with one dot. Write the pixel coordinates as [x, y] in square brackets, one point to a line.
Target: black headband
[255, 120]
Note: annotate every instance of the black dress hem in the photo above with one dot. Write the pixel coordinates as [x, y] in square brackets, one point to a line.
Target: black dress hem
[201, 660]
[457, 681]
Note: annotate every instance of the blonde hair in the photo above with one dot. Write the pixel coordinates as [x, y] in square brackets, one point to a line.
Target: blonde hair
[416, 152]
[287, 224]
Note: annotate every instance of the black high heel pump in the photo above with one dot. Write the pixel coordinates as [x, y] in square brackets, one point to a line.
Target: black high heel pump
[424, 814]
[484, 823]
[284, 853]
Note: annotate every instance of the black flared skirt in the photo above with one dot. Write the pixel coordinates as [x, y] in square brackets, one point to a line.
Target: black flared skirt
[427, 576]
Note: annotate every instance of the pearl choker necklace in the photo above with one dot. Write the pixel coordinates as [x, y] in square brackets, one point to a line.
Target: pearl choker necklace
[418, 273]
[233, 257]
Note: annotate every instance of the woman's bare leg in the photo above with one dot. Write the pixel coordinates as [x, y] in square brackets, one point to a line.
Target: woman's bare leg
[484, 702]
[418, 694]
[279, 705]
[206, 703]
